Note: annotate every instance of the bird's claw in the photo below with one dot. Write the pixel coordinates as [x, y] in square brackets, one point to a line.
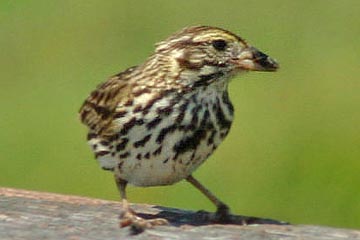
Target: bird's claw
[129, 218]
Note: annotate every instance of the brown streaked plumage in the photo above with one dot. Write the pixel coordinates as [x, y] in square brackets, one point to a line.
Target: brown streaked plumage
[155, 123]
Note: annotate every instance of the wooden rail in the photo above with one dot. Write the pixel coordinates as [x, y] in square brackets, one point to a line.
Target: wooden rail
[38, 215]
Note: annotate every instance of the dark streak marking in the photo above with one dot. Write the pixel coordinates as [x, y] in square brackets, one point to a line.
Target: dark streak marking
[94, 94]
[100, 110]
[142, 142]
[185, 63]
[211, 138]
[113, 137]
[165, 131]
[127, 71]
[122, 145]
[152, 101]
[120, 114]
[124, 155]
[84, 115]
[189, 143]
[129, 103]
[191, 159]
[120, 165]
[108, 168]
[139, 122]
[205, 80]
[195, 119]
[108, 97]
[153, 123]
[220, 116]
[141, 92]
[99, 97]
[165, 110]
[138, 108]
[104, 143]
[205, 117]
[101, 153]
[182, 110]
[157, 151]
[226, 101]
[192, 142]
[223, 134]
[128, 125]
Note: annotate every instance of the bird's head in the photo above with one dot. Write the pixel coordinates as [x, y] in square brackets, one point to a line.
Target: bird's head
[209, 53]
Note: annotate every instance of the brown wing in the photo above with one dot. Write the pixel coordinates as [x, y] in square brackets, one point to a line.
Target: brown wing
[97, 112]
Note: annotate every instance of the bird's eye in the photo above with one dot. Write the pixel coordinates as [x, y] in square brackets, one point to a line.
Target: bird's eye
[219, 44]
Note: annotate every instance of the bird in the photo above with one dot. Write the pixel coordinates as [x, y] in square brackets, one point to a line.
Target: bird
[155, 123]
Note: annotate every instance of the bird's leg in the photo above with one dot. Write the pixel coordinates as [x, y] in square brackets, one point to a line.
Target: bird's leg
[223, 212]
[128, 216]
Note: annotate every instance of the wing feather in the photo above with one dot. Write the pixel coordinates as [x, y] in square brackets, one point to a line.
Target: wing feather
[99, 108]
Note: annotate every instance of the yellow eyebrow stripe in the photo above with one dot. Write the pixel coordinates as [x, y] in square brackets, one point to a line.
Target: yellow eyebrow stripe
[214, 35]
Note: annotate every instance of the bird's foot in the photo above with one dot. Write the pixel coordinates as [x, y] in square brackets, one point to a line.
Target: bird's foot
[138, 224]
[222, 214]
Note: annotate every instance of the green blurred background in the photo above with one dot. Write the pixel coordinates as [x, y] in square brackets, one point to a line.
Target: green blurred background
[294, 150]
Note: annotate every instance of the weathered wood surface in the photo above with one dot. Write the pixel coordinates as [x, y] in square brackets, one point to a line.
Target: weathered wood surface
[38, 215]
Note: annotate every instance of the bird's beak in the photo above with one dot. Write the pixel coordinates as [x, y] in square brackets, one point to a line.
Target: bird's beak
[252, 59]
